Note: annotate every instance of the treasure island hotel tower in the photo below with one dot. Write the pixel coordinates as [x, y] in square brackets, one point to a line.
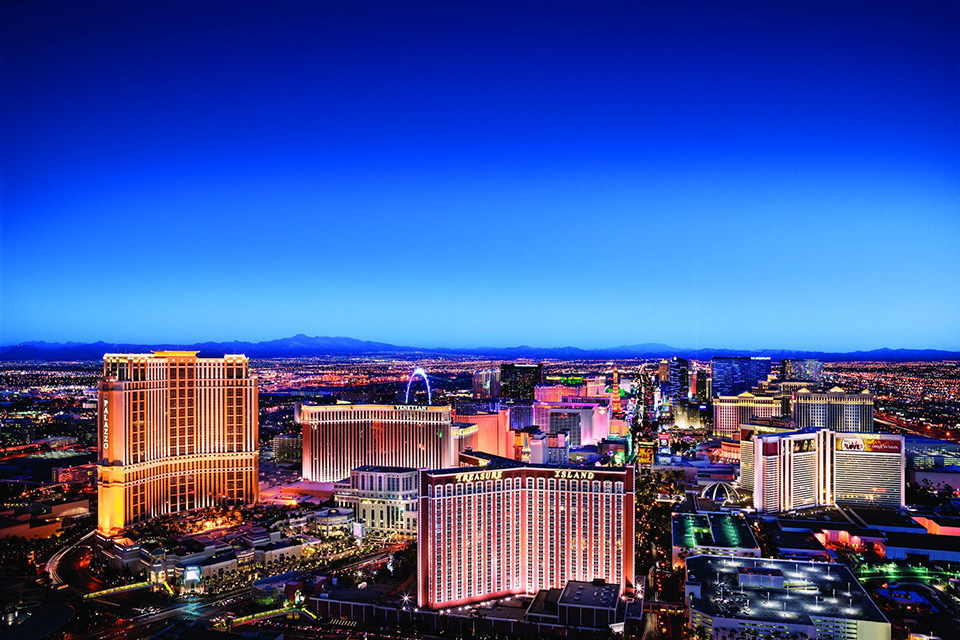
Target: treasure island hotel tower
[176, 432]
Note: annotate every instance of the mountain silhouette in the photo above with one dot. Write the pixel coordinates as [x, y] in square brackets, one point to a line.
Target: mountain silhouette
[301, 346]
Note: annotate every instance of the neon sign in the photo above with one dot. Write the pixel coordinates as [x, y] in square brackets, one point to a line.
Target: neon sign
[573, 475]
[106, 424]
[479, 475]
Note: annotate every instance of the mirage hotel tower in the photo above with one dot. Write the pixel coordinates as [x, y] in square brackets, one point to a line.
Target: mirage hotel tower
[176, 432]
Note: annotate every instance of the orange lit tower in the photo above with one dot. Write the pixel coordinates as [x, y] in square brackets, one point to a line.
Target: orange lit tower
[175, 432]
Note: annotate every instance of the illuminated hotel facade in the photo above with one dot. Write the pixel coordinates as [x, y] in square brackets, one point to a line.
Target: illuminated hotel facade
[175, 432]
[834, 409]
[812, 468]
[729, 412]
[487, 533]
[339, 438]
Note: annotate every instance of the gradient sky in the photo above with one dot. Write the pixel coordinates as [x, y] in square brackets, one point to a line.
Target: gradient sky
[702, 174]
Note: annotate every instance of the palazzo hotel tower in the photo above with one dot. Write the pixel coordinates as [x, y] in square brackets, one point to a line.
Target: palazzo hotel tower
[175, 432]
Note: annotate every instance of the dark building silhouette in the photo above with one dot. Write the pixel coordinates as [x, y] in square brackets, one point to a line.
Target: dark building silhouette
[519, 381]
[733, 375]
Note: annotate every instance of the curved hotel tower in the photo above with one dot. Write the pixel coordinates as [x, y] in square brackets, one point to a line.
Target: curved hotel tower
[175, 432]
[339, 438]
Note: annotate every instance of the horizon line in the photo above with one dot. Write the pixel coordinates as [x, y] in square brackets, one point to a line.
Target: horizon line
[480, 347]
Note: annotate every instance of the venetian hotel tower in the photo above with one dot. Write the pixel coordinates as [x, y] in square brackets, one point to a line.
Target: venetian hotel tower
[175, 432]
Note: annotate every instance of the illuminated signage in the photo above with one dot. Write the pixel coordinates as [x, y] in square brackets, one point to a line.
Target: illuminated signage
[573, 475]
[410, 407]
[106, 424]
[803, 446]
[645, 454]
[191, 574]
[869, 444]
[479, 475]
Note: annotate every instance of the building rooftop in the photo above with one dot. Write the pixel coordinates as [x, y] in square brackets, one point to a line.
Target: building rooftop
[509, 608]
[281, 544]
[880, 518]
[923, 541]
[796, 540]
[385, 469]
[545, 603]
[819, 514]
[692, 530]
[598, 594]
[940, 520]
[810, 589]
[223, 556]
[499, 463]
[829, 525]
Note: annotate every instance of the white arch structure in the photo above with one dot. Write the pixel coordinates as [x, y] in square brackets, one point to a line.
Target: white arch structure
[423, 374]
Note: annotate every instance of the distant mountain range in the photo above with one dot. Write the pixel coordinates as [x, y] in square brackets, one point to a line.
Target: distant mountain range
[305, 346]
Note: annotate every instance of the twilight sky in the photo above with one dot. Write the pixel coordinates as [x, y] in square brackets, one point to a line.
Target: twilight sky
[703, 174]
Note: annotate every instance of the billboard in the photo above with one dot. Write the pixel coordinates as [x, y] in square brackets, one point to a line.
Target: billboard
[869, 444]
[645, 453]
[804, 446]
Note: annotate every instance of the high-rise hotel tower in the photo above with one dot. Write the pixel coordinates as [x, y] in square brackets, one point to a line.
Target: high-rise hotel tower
[834, 409]
[495, 531]
[176, 432]
[340, 437]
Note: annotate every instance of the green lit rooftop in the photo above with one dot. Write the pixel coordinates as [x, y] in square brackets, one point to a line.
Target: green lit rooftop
[712, 530]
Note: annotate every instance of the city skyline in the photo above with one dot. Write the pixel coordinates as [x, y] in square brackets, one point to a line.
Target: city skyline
[621, 319]
[684, 167]
[168, 490]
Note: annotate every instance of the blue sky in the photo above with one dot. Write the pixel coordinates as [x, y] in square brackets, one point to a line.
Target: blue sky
[737, 174]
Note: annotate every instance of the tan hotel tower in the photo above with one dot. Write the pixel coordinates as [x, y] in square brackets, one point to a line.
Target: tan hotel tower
[175, 432]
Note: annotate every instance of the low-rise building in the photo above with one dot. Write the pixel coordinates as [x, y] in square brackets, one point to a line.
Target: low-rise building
[927, 547]
[578, 605]
[800, 544]
[83, 474]
[288, 447]
[835, 533]
[383, 498]
[938, 524]
[41, 518]
[742, 597]
[219, 554]
[333, 520]
[711, 533]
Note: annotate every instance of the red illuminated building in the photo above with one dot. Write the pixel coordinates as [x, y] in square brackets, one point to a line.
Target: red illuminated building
[501, 530]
